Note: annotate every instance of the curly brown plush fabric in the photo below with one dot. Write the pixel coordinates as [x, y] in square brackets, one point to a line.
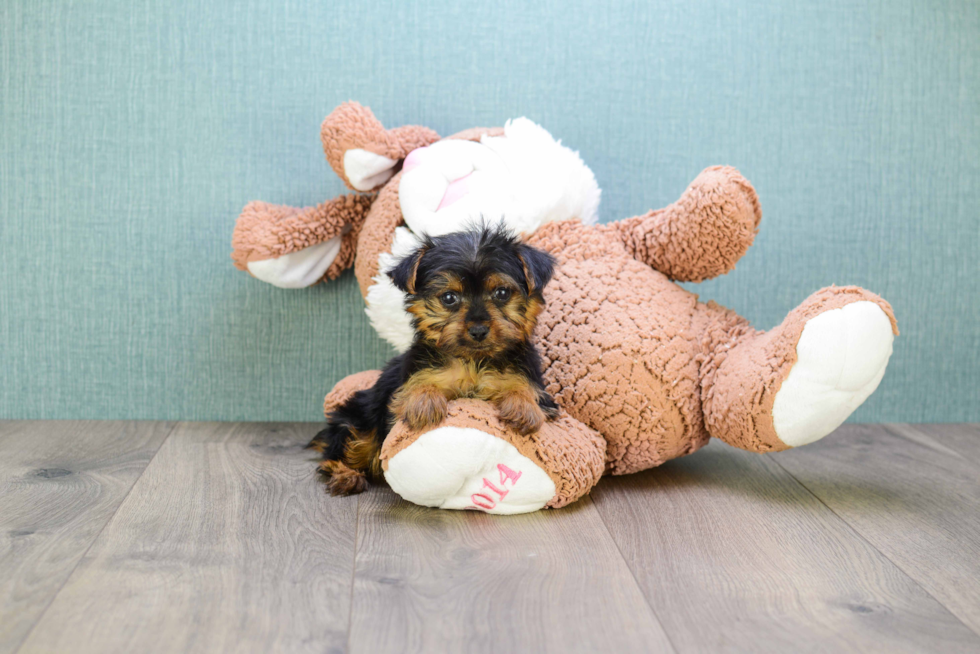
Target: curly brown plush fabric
[619, 348]
[692, 251]
[568, 451]
[267, 231]
[347, 387]
[379, 233]
[352, 126]
[643, 371]
[737, 358]
[624, 347]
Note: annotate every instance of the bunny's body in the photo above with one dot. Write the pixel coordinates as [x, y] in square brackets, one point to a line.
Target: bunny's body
[643, 371]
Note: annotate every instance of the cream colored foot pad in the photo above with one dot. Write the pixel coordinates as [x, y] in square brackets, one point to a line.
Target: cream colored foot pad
[463, 468]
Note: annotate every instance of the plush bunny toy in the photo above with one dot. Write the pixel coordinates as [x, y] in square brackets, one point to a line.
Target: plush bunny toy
[643, 371]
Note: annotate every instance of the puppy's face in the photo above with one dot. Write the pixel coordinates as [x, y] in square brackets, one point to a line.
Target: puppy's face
[473, 315]
[475, 293]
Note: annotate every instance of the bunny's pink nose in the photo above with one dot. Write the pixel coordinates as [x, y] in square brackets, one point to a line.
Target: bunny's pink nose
[455, 191]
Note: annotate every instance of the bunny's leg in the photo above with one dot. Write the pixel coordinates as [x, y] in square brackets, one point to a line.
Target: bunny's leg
[473, 461]
[769, 391]
[701, 235]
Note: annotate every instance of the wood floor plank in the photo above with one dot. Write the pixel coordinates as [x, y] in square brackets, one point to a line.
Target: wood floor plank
[963, 438]
[914, 500]
[226, 543]
[734, 555]
[60, 482]
[448, 581]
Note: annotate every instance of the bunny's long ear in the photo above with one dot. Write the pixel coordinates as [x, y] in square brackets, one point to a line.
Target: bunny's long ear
[361, 151]
[291, 247]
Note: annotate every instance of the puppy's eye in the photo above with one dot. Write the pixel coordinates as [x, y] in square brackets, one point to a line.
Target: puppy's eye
[449, 299]
[501, 294]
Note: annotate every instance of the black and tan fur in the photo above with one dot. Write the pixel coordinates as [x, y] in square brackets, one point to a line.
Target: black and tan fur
[475, 297]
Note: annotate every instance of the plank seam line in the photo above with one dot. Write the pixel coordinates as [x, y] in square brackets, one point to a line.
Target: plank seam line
[932, 443]
[353, 569]
[622, 558]
[71, 574]
[854, 530]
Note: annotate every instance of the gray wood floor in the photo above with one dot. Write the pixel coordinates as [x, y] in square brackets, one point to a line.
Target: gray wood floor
[212, 537]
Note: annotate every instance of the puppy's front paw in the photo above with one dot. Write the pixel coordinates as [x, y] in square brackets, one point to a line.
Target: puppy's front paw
[521, 413]
[422, 407]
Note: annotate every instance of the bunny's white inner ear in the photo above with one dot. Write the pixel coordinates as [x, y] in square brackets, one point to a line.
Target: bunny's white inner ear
[367, 170]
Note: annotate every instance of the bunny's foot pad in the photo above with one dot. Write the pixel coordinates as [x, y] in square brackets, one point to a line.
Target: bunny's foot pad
[841, 358]
[472, 460]
[466, 468]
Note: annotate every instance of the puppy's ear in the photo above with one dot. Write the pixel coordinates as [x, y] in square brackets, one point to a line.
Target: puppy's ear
[405, 271]
[538, 267]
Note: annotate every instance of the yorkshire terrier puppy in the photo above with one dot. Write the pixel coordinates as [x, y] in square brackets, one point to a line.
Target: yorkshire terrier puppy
[475, 297]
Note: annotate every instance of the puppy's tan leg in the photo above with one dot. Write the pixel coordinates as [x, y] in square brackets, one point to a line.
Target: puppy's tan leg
[420, 406]
[518, 407]
[363, 452]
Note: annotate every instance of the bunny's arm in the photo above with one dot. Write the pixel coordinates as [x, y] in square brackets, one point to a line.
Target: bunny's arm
[700, 236]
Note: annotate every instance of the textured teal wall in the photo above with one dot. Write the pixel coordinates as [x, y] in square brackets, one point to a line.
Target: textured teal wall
[131, 133]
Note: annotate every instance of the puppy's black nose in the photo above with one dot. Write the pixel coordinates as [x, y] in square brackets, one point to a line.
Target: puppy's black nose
[479, 332]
